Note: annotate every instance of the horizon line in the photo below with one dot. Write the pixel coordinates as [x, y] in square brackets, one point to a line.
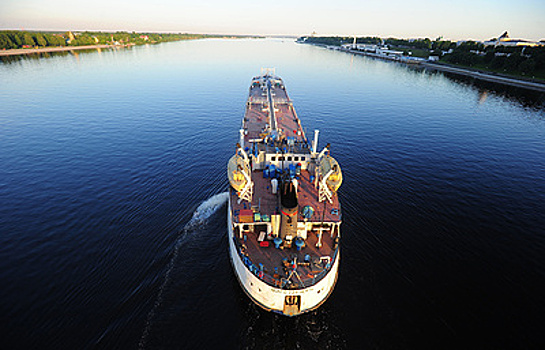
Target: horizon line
[290, 35]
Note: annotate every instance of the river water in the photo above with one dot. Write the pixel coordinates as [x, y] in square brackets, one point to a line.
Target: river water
[112, 212]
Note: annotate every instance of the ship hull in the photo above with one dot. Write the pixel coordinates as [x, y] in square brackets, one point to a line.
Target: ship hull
[275, 299]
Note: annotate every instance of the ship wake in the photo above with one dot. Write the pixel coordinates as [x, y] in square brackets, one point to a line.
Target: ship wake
[200, 217]
[205, 210]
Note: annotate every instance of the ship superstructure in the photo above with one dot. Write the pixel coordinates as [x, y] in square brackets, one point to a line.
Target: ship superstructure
[284, 214]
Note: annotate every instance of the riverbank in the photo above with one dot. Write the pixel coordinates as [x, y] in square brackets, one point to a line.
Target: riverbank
[531, 84]
[14, 52]
[486, 76]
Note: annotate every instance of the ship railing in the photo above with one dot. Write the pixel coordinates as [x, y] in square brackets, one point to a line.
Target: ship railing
[247, 191]
[324, 193]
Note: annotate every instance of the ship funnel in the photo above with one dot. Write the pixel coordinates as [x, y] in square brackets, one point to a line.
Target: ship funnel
[288, 200]
[288, 195]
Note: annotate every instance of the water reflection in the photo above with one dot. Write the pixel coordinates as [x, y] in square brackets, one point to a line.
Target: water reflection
[525, 97]
[483, 95]
[47, 55]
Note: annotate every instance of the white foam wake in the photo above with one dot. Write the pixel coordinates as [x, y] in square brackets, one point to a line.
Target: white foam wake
[201, 214]
[207, 208]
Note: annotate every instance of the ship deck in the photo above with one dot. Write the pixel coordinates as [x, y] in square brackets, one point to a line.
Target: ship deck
[264, 256]
[257, 116]
[265, 202]
[273, 259]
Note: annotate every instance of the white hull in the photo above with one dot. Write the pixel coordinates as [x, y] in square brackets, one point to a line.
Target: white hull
[271, 298]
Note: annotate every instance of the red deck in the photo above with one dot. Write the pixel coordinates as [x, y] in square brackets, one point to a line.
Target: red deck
[264, 202]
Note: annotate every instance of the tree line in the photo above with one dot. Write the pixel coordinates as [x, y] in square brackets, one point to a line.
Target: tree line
[518, 60]
[341, 40]
[16, 39]
[521, 60]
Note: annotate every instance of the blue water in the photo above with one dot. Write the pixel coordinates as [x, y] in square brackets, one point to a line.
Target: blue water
[112, 236]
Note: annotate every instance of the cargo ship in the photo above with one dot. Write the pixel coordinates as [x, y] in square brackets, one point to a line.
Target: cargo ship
[284, 215]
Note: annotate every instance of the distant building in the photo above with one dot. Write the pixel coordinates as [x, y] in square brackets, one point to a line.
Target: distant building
[364, 47]
[392, 53]
[505, 40]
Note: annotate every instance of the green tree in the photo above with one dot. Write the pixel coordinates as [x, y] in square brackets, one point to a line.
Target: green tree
[497, 62]
[538, 54]
[512, 62]
[28, 40]
[54, 40]
[82, 39]
[488, 57]
[5, 42]
[470, 45]
[444, 45]
[16, 38]
[465, 58]
[40, 40]
[527, 66]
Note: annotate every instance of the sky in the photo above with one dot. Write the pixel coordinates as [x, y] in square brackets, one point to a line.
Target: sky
[454, 20]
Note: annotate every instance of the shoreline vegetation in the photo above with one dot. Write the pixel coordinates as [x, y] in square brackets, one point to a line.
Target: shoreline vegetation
[520, 66]
[16, 42]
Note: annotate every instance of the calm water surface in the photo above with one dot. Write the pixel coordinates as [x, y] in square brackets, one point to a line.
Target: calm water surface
[112, 218]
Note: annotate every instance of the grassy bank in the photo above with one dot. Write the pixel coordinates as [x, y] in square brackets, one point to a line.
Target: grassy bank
[15, 39]
[538, 75]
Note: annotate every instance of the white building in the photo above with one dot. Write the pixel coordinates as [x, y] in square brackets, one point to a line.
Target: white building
[365, 47]
[505, 40]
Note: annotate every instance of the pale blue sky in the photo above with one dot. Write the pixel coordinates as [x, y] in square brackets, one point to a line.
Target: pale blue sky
[464, 19]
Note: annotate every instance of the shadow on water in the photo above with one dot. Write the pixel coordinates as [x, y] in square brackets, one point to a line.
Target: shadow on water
[264, 330]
